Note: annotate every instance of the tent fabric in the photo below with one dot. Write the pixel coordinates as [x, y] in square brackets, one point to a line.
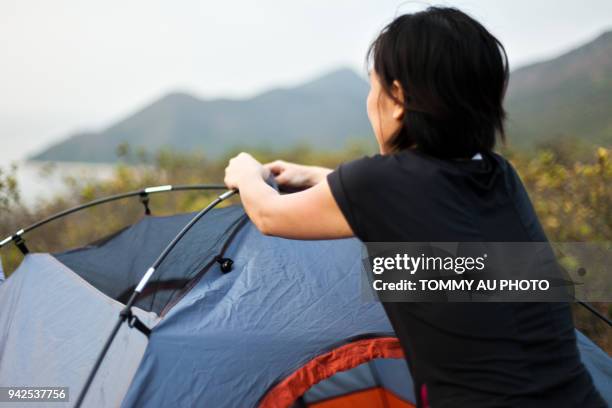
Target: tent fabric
[599, 365]
[2, 277]
[324, 366]
[389, 374]
[235, 335]
[52, 327]
[371, 398]
[134, 249]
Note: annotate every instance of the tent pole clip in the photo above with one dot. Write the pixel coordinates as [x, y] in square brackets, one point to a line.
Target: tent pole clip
[20, 243]
[134, 322]
[144, 199]
[226, 264]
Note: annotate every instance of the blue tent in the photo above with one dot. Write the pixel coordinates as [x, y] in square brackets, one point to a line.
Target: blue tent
[238, 319]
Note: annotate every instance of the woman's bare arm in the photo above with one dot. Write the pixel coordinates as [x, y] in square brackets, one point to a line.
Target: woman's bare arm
[294, 175]
[309, 214]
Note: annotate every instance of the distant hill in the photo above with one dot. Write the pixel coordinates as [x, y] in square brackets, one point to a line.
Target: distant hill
[570, 95]
[325, 112]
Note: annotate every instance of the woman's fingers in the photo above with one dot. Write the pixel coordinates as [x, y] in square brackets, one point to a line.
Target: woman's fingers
[283, 178]
[276, 167]
[290, 174]
[242, 168]
[280, 170]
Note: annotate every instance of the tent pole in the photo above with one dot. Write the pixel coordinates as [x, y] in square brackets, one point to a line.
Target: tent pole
[596, 312]
[103, 200]
[126, 313]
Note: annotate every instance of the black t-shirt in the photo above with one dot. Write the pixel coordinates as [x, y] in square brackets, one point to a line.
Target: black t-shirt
[466, 354]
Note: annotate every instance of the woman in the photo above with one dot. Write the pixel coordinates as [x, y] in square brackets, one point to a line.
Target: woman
[435, 104]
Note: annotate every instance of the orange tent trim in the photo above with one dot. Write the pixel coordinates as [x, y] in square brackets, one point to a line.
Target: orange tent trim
[371, 398]
[343, 358]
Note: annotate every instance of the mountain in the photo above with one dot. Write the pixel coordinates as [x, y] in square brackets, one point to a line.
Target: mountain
[570, 95]
[325, 113]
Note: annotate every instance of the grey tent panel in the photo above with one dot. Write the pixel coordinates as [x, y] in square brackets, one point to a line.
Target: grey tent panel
[2, 277]
[54, 337]
[135, 248]
[599, 365]
[235, 335]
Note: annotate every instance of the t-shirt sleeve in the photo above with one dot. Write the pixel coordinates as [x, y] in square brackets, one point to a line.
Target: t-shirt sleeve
[353, 185]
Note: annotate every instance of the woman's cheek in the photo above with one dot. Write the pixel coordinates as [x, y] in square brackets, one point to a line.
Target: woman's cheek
[369, 107]
[372, 109]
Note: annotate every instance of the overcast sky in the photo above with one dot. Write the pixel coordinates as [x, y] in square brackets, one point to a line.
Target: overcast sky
[69, 65]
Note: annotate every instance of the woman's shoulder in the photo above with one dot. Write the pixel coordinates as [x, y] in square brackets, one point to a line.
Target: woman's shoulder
[373, 170]
[368, 163]
[380, 169]
[416, 168]
[405, 159]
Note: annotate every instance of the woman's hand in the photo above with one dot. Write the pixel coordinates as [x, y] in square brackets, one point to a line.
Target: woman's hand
[244, 168]
[288, 215]
[296, 175]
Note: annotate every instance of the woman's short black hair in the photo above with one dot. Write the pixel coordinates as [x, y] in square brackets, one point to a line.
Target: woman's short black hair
[453, 73]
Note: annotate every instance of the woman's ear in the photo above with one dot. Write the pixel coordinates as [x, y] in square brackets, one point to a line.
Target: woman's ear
[398, 100]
